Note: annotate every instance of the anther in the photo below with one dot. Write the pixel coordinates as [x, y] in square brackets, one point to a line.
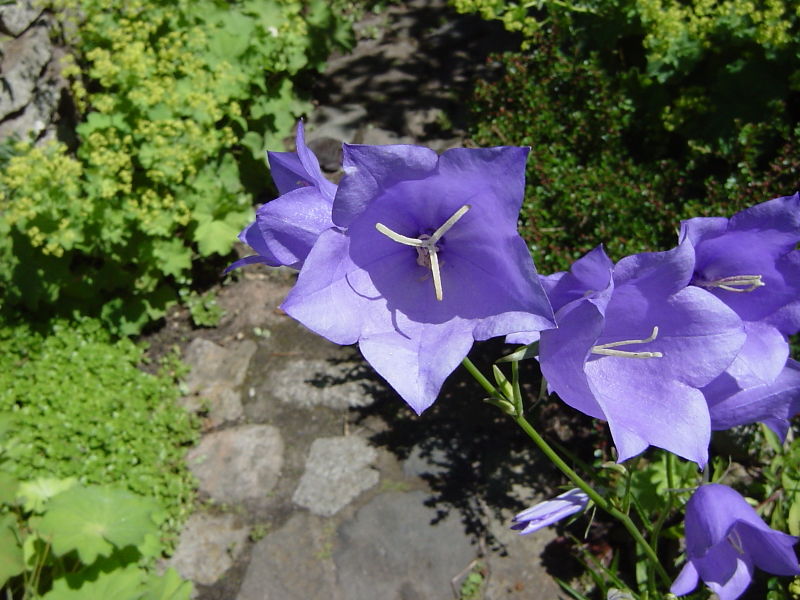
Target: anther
[608, 349]
[426, 246]
[735, 283]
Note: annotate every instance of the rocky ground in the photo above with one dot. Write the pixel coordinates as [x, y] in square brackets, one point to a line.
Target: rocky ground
[316, 481]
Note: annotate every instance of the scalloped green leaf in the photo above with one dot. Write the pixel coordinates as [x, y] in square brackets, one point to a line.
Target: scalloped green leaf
[94, 520]
[37, 492]
[169, 586]
[119, 584]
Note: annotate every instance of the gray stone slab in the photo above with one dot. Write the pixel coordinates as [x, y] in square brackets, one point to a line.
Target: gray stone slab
[18, 16]
[208, 546]
[308, 382]
[337, 471]
[238, 464]
[24, 58]
[293, 563]
[392, 549]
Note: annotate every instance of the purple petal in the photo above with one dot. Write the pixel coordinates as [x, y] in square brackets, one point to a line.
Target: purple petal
[292, 223]
[657, 274]
[548, 512]
[686, 581]
[415, 358]
[772, 551]
[711, 513]
[368, 169]
[589, 273]
[287, 171]
[311, 165]
[725, 572]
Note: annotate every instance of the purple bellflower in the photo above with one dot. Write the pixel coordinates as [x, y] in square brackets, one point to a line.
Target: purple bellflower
[550, 511]
[426, 259]
[725, 540]
[633, 346]
[285, 228]
[749, 261]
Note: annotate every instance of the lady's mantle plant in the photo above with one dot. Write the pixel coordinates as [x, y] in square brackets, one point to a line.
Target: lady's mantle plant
[414, 256]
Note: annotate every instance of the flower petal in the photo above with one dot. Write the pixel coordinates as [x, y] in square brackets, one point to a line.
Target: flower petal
[686, 581]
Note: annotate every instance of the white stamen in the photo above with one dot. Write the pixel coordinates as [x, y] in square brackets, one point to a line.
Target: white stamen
[736, 541]
[426, 246]
[735, 283]
[607, 349]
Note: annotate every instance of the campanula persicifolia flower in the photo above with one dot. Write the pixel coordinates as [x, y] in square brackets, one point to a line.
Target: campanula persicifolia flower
[726, 540]
[424, 260]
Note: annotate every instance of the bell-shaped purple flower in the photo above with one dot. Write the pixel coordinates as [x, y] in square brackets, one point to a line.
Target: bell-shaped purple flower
[427, 260]
[550, 511]
[750, 262]
[725, 540]
[634, 345]
[285, 228]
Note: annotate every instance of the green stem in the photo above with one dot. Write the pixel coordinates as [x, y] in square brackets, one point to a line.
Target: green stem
[626, 521]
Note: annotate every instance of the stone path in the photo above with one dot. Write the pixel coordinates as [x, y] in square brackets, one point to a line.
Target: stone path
[317, 481]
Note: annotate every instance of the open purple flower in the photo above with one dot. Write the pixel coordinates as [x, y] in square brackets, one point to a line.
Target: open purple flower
[285, 228]
[725, 540]
[550, 511]
[427, 261]
[633, 346]
[749, 261]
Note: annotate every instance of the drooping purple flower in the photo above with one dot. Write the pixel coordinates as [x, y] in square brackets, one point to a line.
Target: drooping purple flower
[427, 260]
[750, 262]
[725, 540]
[285, 228]
[550, 511]
[633, 346]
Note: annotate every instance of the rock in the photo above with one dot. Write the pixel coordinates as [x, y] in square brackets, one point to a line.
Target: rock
[399, 546]
[208, 546]
[17, 17]
[426, 463]
[293, 563]
[337, 471]
[215, 376]
[308, 382]
[24, 59]
[238, 464]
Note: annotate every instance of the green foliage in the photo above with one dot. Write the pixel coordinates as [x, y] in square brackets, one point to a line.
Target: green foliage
[472, 587]
[582, 189]
[82, 408]
[179, 101]
[82, 542]
[203, 308]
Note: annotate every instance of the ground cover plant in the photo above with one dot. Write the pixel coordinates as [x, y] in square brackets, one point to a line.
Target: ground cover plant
[82, 408]
[176, 102]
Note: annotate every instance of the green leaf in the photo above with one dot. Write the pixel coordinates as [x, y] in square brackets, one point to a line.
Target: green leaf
[793, 520]
[215, 236]
[36, 493]
[169, 586]
[11, 560]
[8, 488]
[94, 520]
[524, 353]
[119, 584]
[174, 258]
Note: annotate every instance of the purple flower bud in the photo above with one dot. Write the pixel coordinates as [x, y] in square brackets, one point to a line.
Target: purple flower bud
[726, 540]
[550, 511]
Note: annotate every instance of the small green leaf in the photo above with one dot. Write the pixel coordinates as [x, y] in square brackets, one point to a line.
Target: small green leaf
[215, 236]
[94, 520]
[8, 488]
[524, 353]
[793, 520]
[169, 586]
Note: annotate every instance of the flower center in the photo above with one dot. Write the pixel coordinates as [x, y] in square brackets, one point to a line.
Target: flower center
[426, 246]
[608, 349]
[735, 283]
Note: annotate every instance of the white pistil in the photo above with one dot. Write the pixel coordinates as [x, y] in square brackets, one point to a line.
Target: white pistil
[736, 541]
[735, 283]
[426, 246]
[608, 349]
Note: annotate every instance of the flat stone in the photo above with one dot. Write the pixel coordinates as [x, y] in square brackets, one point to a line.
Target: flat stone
[308, 382]
[211, 363]
[397, 548]
[239, 464]
[293, 563]
[17, 17]
[208, 546]
[337, 471]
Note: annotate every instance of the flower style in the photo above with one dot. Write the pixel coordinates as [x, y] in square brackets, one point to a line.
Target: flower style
[548, 512]
[285, 228]
[633, 346]
[426, 259]
[725, 540]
